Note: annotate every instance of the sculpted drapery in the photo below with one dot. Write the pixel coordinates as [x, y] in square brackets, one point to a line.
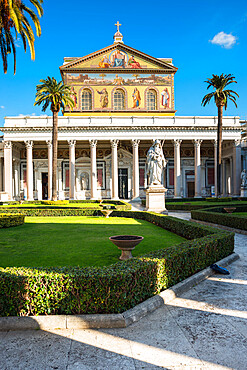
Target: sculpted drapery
[155, 163]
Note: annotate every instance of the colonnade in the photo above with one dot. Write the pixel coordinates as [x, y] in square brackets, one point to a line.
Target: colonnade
[235, 165]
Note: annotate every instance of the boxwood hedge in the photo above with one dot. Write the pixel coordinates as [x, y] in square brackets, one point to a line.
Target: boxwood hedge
[218, 215]
[115, 288]
[9, 220]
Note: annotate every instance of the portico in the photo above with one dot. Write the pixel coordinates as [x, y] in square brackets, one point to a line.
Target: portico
[100, 157]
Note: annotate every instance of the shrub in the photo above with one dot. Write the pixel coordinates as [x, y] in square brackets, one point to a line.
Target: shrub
[54, 202]
[218, 215]
[53, 212]
[9, 220]
[115, 288]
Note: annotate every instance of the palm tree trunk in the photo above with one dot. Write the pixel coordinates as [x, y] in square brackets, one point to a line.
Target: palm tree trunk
[219, 148]
[54, 155]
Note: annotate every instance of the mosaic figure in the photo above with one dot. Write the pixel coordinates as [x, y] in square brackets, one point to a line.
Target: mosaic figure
[165, 98]
[118, 59]
[105, 63]
[103, 98]
[132, 63]
[136, 98]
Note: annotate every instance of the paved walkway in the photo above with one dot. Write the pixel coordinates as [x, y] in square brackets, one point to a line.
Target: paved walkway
[206, 328]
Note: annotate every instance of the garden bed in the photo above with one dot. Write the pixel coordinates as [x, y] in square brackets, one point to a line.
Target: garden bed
[118, 287]
[218, 215]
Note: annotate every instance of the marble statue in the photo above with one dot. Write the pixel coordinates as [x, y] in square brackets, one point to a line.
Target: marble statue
[155, 163]
[243, 179]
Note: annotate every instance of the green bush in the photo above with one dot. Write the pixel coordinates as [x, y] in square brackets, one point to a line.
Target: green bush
[116, 288]
[49, 211]
[9, 220]
[218, 215]
[54, 202]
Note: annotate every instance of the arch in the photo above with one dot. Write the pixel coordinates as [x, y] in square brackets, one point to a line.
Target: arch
[151, 98]
[82, 101]
[117, 99]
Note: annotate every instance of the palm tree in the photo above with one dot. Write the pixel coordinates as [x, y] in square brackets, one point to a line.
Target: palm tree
[13, 21]
[221, 96]
[57, 95]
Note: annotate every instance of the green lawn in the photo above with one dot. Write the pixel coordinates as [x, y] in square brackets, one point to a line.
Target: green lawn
[210, 203]
[76, 241]
[243, 214]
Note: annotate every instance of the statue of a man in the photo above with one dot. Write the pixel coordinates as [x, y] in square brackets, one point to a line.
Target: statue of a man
[155, 163]
[243, 178]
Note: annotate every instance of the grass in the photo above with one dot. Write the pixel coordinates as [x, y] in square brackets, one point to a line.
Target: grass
[210, 203]
[243, 214]
[76, 241]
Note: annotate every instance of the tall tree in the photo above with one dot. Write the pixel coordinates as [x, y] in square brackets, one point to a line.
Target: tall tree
[15, 19]
[57, 95]
[221, 97]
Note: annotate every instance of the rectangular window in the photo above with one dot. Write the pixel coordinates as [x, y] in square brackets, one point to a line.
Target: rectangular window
[100, 177]
[141, 177]
[210, 176]
[171, 176]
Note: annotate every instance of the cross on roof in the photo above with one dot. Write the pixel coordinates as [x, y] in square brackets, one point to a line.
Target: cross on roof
[118, 24]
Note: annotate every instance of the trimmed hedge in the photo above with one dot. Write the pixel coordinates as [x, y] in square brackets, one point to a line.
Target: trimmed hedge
[8, 220]
[218, 215]
[53, 211]
[115, 288]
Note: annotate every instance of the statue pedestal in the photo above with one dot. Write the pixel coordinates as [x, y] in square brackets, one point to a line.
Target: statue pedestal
[155, 199]
[243, 192]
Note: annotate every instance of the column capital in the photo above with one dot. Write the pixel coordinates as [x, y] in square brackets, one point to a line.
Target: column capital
[114, 143]
[93, 143]
[7, 144]
[28, 144]
[197, 142]
[135, 143]
[71, 143]
[215, 142]
[237, 143]
[49, 143]
[177, 142]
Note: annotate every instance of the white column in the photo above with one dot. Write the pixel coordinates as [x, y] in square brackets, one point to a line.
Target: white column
[71, 168]
[114, 168]
[236, 166]
[231, 178]
[16, 179]
[224, 177]
[49, 145]
[135, 179]
[93, 145]
[29, 147]
[215, 167]
[8, 168]
[197, 145]
[177, 169]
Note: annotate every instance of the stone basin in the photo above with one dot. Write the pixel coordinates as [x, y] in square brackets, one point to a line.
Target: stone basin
[230, 209]
[126, 243]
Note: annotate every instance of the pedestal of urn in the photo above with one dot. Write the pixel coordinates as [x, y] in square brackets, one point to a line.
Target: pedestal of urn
[155, 199]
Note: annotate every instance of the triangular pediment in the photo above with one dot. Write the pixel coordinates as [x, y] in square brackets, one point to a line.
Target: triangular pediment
[122, 153]
[117, 57]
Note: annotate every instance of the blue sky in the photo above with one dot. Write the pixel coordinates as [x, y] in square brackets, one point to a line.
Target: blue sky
[181, 30]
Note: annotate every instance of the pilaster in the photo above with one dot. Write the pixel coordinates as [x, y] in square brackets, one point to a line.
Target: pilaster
[236, 166]
[49, 146]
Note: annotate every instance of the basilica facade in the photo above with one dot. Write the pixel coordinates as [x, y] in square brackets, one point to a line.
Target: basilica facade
[124, 100]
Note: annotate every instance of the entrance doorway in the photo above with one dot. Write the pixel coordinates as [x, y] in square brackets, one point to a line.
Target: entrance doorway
[44, 185]
[191, 189]
[123, 183]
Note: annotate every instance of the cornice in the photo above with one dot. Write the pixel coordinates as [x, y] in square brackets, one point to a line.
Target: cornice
[118, 128]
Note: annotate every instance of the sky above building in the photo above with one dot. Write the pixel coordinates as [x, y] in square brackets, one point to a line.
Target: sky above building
[202, 38]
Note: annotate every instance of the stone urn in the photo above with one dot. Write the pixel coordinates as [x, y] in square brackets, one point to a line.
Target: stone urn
[126, 243]
[229, 209]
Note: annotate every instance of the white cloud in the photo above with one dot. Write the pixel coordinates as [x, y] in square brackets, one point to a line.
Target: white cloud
[18, 42]
[2, 106]
[226, 40]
